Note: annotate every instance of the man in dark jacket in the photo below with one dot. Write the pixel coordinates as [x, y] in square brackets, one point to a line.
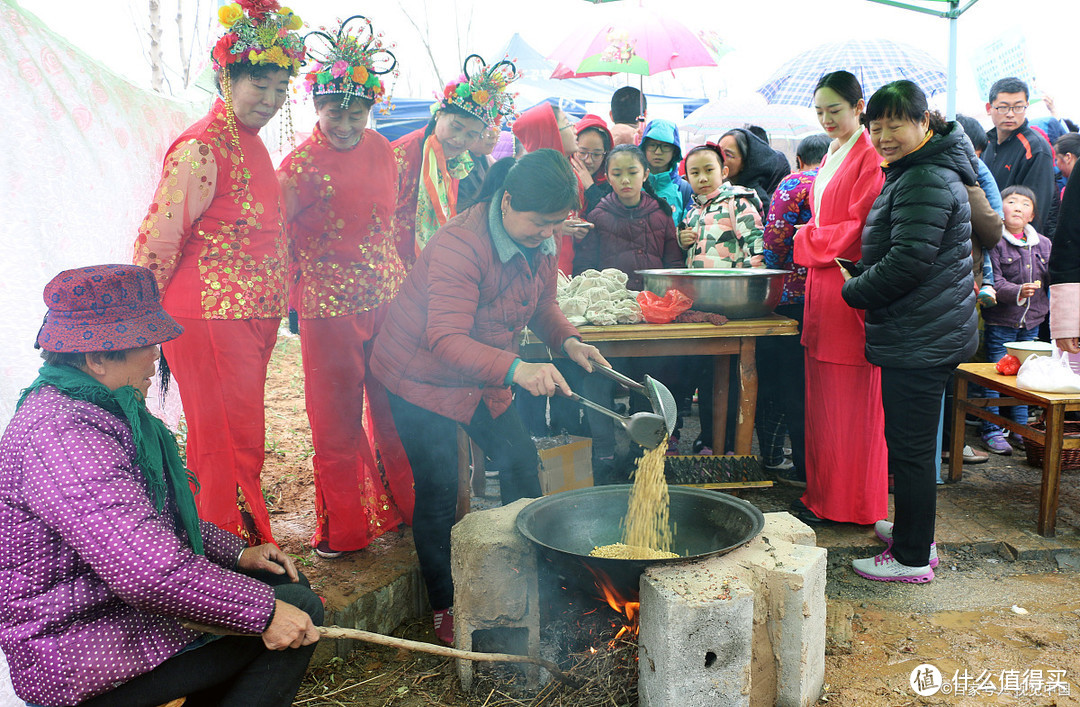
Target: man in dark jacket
[1016, 153]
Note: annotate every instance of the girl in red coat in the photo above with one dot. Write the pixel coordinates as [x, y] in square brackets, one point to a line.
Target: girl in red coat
[339, 188]
[632, 231]
[846, 456]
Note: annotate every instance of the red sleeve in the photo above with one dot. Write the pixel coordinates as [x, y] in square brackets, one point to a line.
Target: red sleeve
[817, 246]
[187, 187]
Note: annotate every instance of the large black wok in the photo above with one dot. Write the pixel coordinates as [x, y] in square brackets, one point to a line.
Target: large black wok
[568, 525]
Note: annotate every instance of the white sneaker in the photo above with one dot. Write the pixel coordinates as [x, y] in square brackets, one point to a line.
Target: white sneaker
[885, 568]
[883, 529]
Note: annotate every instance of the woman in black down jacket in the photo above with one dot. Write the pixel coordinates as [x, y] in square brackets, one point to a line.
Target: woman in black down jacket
[915, 283]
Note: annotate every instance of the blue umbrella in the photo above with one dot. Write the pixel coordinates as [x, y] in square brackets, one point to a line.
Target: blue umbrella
[875, 62]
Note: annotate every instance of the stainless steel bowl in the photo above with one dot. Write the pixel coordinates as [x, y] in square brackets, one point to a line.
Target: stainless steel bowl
[737, 293]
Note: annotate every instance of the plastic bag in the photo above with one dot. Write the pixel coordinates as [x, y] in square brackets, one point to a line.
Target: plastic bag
[661, 310]
[1045, 374]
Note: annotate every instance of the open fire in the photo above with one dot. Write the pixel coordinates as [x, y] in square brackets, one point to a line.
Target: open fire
[626, 607]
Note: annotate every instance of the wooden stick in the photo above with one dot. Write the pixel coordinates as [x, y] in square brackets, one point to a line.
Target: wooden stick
[419, 646]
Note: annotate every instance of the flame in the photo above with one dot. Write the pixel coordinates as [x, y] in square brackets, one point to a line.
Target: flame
[626, 607]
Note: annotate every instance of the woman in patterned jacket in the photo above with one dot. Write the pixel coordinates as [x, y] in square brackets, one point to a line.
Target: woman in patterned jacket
[104, 557]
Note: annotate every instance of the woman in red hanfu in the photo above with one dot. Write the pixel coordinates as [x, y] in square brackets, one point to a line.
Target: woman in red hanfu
[339, 188]
[214, 237]
[432, 161]
[846, 455]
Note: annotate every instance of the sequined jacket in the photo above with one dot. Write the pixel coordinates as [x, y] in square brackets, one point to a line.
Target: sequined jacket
[214, 234]
[340, 204]
[93, 581]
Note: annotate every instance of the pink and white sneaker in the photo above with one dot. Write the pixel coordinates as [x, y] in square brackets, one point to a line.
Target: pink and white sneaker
[885, 568]
[883, 529]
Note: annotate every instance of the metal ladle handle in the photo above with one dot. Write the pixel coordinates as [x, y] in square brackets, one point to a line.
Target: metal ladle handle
[599, 408]
[620, 378]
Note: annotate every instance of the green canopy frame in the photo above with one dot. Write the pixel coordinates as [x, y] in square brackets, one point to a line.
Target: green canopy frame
[953, 15]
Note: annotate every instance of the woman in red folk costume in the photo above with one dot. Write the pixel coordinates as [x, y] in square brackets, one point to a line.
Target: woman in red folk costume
[431, 161]
[339, 188]
[214, 237]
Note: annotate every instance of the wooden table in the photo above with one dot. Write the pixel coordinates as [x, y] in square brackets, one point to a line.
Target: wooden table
[1053, 439]
[737, 339]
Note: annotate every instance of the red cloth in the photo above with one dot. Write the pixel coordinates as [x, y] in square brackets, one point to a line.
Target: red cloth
[340, 204]
[846, 456]
[353, 507]
[597, 123]
[847, 478]
[220, 370]
[408, 158]
[833, 331]
[214, 234]
[452, 332]
[537, 128]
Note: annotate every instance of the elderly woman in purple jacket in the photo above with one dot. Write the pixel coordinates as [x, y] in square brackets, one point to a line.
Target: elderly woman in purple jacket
[104, 557]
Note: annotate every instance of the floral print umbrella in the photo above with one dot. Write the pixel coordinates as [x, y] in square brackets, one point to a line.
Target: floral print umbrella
[630, 40]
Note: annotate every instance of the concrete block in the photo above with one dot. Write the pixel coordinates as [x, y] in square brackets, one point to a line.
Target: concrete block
[784, 526]
[694, 644]
[797, 613]
[773, 591]
[498, 565]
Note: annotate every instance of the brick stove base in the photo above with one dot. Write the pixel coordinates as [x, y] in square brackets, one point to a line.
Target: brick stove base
[746, 628]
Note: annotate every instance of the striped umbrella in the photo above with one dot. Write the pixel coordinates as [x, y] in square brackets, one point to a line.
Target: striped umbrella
[713, 119]
[875, 62]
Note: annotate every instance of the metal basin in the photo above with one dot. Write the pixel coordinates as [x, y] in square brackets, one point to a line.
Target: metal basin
[568, 525]
[737, 293]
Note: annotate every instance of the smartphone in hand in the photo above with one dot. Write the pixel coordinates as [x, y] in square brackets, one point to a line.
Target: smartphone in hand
[848, 269]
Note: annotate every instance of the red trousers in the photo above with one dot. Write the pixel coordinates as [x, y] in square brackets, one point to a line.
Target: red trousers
[352, 503]
[220, 371]
[847, 460]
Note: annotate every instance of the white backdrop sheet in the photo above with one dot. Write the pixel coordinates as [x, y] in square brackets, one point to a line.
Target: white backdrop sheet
[80, 154]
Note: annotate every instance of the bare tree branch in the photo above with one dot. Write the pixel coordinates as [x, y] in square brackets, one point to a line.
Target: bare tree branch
[156, 57]
[425, 39]
[185, 67]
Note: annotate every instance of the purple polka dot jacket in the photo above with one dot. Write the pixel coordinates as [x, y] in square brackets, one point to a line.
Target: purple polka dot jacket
[94, 582]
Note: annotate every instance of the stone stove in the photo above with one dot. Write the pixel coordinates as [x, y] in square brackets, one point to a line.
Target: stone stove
[745, 628]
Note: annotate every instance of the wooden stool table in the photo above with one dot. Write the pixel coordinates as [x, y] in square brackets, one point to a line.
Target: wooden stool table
[1053, 439]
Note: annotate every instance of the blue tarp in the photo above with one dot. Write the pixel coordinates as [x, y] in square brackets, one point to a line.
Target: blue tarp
[534, 87]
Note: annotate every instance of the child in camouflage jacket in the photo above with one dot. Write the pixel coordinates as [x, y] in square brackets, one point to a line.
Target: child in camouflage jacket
[723, 226]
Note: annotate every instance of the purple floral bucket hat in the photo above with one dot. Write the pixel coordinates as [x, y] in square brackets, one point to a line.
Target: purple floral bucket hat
[104, 308]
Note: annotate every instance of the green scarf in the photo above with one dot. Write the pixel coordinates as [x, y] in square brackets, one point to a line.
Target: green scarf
[156, 452]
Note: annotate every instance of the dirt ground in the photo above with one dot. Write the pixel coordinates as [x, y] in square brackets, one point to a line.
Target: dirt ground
[1012, 627]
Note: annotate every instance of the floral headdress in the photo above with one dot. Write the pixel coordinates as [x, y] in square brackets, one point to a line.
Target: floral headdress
[482, 90]
[350, 64]
[259, 32]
